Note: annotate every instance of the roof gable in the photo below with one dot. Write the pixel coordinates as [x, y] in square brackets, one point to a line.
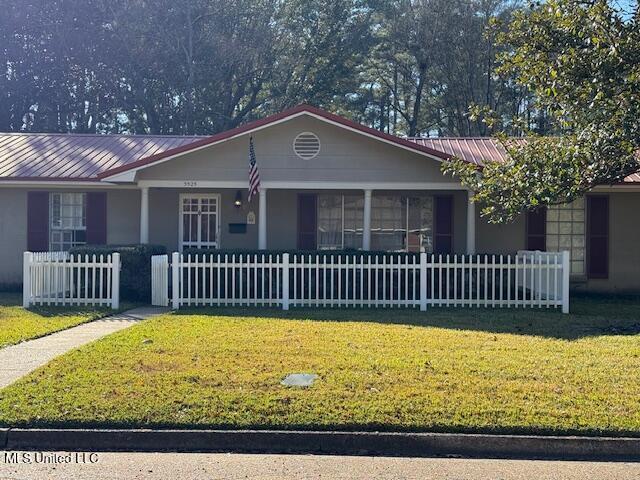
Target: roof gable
[344, 156]
[270, 121]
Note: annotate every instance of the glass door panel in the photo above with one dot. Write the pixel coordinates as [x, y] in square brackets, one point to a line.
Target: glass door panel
[199, 221]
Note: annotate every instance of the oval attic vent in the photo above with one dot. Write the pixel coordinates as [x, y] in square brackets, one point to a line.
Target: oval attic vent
[306, 145]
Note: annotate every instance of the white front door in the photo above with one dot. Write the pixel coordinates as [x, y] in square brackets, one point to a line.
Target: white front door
[199, 221]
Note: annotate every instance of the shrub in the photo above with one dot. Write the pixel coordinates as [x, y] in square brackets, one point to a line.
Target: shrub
[322, 254]
[135, 276]
[10, 287]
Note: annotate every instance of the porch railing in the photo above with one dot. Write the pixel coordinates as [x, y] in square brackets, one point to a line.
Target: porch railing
[528, 279]
[58, 278]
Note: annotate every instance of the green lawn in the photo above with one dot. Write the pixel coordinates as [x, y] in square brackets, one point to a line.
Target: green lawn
[18, 324]
[443, 370]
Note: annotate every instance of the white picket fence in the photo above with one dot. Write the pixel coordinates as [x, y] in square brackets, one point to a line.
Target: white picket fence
[160, 280]
[528, 279]
[58, 278]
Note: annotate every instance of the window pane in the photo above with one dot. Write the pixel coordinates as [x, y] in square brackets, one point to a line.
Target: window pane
[420, 237]
[193, 228]
[388, 222]
[565, 215]
[55, 210]
[204, 224]
[79, 237]
[329, 222]
[212, 226]
[353, 221]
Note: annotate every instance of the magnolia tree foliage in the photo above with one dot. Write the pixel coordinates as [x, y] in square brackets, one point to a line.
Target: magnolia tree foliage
[581, 59]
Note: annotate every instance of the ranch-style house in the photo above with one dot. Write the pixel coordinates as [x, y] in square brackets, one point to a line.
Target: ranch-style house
[327, 183]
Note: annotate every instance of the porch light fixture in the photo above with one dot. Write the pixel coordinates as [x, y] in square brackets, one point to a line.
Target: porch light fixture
[238, 201]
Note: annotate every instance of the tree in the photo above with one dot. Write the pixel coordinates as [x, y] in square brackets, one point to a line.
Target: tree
[322, 44]
[581, 61]
[54, 78]
[400, 70]
[173, 67]
[434, 59]
[465, 74]
[195, 66]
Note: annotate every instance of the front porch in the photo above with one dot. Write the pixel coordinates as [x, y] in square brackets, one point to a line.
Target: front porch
[321, 216]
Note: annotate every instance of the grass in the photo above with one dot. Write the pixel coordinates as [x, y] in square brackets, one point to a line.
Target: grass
[444, 370]
[18, 324]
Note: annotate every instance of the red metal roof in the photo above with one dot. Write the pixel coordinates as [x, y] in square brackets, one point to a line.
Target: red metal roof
[49, 156]
[480, 149]
[472, 149]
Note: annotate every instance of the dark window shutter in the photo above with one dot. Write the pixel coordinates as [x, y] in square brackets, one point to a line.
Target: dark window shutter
[537, 229]
[307, 221]
[598, 237]
[97, 218]
[443, 224]
[38, 221]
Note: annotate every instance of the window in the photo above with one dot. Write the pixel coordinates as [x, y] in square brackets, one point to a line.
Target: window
[340, 222]
[420, 224]
[400, 223]
[566, 231]
[353, 221]
[388, 222]
[68, 221]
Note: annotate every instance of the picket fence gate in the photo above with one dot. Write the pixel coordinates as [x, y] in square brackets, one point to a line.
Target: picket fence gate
[59, 278]
[528, 279]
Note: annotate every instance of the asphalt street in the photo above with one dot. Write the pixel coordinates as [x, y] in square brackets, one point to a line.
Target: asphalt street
[114, 466]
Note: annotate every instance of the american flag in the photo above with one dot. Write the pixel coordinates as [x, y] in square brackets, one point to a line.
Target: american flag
[254, 176]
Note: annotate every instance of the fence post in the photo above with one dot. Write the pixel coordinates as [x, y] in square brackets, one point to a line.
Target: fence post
[115, 280]
[566, 272]
[423, 282]
[285, 281]
[26, 279]
[175, 281]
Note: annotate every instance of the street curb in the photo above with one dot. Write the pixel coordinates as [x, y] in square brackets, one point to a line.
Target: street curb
[3, 438]
[333, 443]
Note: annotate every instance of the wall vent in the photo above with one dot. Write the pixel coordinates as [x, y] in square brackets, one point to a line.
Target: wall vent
[306, 145]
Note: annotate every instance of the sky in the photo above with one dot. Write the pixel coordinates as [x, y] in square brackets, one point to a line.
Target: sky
[625, 6]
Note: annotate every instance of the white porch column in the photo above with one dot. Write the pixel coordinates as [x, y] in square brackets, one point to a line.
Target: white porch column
[262, 219]
[471, 224]
[144, 215]
[366, 233]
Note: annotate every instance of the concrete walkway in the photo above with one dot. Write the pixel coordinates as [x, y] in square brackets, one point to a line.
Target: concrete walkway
[18, 360]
